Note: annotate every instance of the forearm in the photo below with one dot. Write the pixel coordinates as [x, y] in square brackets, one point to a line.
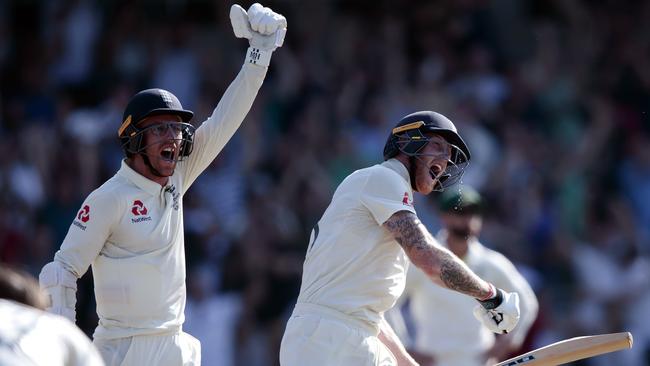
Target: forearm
[499, 310]
[216, 131]
[234, 105]
[388, 337]
[452, 272]
[265, 31]
[439, 263]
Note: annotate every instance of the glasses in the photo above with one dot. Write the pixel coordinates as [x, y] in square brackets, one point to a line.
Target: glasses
[163, 128]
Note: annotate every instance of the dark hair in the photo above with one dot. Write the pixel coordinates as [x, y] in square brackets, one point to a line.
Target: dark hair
[20, 286]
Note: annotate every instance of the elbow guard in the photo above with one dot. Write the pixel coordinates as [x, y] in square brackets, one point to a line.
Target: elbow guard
[61, 288]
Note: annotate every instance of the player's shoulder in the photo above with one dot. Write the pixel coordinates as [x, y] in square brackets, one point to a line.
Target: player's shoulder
[380, 173]
[375, 177]
[110, 192]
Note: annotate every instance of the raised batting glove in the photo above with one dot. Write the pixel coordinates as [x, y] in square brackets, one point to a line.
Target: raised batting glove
[499, 314]
[264, 29]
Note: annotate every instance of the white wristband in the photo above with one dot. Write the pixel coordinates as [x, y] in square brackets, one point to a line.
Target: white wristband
[258, 56]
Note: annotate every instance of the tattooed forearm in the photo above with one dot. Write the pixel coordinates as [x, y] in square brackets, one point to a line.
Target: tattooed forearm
[409, 232]
[438, 262]
[457, 276]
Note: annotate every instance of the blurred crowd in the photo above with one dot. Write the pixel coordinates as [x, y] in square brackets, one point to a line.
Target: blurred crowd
[552, 97]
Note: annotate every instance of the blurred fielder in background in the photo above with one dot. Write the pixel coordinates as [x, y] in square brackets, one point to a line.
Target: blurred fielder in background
[131, 228]
[356, 261]
[464, 341]
[30, 336]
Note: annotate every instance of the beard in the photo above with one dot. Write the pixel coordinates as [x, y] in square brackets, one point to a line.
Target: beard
[460, 231]
[157, 167]
[424, 180]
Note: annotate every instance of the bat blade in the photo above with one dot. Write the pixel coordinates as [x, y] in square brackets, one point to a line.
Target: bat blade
[572, 349]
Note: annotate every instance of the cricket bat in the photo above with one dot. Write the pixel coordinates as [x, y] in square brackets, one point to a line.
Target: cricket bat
[572, 349]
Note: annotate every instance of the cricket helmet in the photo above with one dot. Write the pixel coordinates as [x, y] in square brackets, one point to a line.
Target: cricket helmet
[409, 136]
[152, 102]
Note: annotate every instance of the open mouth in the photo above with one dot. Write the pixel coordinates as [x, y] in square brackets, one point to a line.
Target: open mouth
[167, 153]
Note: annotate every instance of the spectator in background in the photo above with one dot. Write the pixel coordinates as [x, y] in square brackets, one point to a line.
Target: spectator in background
[447, 336]
[612, 279]
[29, 335]
[78, 25]
[212, 316]
[635, 181]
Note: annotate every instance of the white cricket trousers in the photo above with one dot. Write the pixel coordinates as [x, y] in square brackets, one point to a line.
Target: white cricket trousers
[321, 336]
[175, 349]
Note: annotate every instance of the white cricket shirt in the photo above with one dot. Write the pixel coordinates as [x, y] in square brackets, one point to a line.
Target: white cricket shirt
[353, 264]
[131, 229]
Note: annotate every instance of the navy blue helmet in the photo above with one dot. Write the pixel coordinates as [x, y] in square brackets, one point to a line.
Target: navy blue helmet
[410, 136]
[147, 103]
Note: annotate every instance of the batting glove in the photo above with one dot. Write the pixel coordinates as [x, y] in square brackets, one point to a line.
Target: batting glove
[264, 29]
[499, 314]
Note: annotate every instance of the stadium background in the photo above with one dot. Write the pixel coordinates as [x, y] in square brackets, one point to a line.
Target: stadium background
[552, 97]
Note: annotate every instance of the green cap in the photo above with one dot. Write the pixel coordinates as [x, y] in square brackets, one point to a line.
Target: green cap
[462, 200]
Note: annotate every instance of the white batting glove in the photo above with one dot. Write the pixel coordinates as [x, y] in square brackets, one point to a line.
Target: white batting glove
[499, 314]
[264, 29]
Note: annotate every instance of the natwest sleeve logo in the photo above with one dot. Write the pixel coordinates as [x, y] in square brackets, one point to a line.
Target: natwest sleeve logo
[138, 208]
[84, 214]
[406, 200]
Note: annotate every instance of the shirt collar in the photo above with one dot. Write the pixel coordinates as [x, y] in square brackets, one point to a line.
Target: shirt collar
[139, 180]
[399, 168]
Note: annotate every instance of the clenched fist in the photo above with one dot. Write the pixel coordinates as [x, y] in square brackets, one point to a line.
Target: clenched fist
[264, 29]
[499, 314]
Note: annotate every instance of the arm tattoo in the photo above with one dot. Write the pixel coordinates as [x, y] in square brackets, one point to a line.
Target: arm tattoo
[436, 261]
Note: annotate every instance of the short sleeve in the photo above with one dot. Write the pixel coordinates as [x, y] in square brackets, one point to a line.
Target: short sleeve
[386, 193]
